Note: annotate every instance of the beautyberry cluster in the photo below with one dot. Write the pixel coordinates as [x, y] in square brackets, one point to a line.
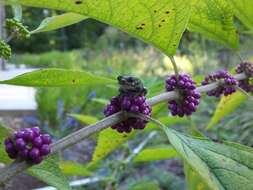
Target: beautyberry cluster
[131, 99]
[13, 25]
[246, 68]
[28, 144]
[227, 83]
[188, 99]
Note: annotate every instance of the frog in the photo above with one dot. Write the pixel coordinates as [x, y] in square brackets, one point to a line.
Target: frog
[131, 85]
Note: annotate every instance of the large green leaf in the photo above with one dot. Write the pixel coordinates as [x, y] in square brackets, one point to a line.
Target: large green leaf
[221, 166]
[4, 133]
[49, 172]
[156, 153]
[214, 19]
[244, 11]
[160, 23]
[226, 105]
[58, 21]
[57, 77]
[74, 168]
[108, 140]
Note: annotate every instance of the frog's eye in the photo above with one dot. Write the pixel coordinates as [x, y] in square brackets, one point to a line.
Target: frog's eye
[119, 78]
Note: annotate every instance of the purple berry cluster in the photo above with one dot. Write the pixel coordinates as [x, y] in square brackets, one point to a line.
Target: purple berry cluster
[28, 144]
[188, 99]
[129, 103]
[227, 83]
[246, 68]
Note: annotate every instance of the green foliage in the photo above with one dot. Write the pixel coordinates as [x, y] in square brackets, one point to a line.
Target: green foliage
[220, 166]
[5, 50]
[160, 24]
[4, 133]
[226, 105]
[49, 172]
[57, 77]
[156, 153]
[214, 19]
[85, 119]
[108, 140]
[143, 185]
[15, 26]
[73, 168]
[58, 21]
[244, 11]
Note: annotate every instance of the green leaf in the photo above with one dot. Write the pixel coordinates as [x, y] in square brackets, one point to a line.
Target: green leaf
[57, 77]
[49, 172]
[86, 119]
[220, 166]
[156, 153]
[144, 185]
[214, 19]
[108, 140]
[243, 10]
[101, 101]
[226, 105]
[59, 21]
[4, 133]
[194, 181]
[160, 23]
[74, 168]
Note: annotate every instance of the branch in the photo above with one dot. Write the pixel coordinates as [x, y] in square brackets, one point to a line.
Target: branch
[16, 167]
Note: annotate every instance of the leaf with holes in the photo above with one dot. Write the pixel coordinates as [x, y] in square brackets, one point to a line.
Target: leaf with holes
[226, 105]
[49, 172]
[58, 21]
[160, 23]
[58, 77]
[156, 153]
[220, 166]
[243, 10]
[214, 19]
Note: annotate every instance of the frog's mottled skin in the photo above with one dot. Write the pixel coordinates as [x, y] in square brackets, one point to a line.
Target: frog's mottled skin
[131, 85]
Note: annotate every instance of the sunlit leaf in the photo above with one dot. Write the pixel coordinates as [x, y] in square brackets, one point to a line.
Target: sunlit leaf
[226, 105]
[214, 19]
[160, 23]
[244, 11]
[156, 153]
[74, 168]
[86, 119]
[221, 166]
[58, 21]
[57, 77]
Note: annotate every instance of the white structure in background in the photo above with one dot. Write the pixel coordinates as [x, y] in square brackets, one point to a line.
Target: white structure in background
[16, 98]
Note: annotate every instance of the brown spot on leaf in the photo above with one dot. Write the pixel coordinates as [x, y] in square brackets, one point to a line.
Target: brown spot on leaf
[167, 12]
[73, 80]
[159, 25]
[143, 24]
[139, 28]
[163, 20]
[155, 11]
[78, 2]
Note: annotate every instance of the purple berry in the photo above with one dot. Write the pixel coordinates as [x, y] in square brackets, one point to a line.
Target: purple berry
[44, 150]
[20, 144]
[37, 160]
[37, 141]
[36, 131]
[129, 103]
[247, 68]
[28, 135]
[34, 153]
[227, 83]
[24, 154]
[188, 97]
[46, 139]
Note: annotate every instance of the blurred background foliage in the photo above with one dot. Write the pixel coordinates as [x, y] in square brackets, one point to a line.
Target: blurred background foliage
[103, 50]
